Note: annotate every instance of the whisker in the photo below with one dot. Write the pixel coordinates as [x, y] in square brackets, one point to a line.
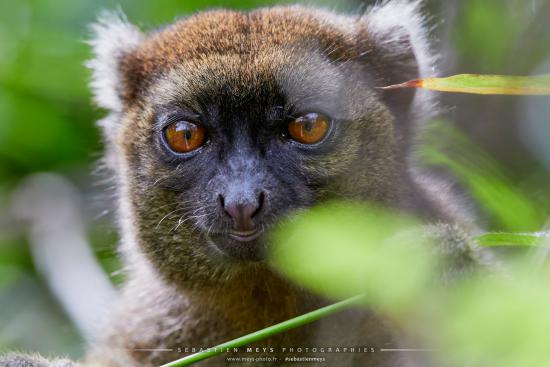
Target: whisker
[167, 215]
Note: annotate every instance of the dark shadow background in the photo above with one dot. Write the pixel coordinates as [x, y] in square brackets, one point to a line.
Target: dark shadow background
[47, 121]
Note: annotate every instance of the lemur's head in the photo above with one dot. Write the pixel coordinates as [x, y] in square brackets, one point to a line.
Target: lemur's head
[224, 122]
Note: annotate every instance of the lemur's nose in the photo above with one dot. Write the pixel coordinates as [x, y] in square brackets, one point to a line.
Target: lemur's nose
[243, 214]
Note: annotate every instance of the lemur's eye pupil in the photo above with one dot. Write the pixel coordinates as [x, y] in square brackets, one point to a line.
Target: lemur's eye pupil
[184, 136]
[310, 128]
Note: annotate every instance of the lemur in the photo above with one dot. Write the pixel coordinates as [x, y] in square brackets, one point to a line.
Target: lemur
[223, 123]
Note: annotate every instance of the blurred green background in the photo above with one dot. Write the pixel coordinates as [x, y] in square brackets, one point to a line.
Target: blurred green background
[47, 122]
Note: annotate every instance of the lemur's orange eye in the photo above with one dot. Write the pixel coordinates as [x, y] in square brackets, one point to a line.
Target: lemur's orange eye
[309, 129]
[184, 136]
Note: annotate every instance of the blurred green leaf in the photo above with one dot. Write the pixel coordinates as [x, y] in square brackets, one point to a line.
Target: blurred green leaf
[15, 260]
[14, 253]
[496, 322]
[343, 249]
[485, 33]
[39, 137]
[507, 206]
[513, 239]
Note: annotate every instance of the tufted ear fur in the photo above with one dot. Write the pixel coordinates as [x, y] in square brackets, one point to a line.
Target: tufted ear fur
[113, 37]
[400, 51]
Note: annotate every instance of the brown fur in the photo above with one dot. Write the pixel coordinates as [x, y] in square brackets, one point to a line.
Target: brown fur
[251, 33]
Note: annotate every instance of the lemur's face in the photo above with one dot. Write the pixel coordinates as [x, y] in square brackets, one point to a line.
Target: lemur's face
[233, 121]
[235, 142]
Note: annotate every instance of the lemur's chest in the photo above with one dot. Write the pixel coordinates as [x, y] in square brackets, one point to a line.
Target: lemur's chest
[350, 338]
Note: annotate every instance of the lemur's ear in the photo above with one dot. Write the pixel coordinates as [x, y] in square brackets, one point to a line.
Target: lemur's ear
[113, 38]
[399, 50]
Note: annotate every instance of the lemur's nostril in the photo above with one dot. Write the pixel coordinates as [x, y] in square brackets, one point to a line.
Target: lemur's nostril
[242, 214]
[261, 199]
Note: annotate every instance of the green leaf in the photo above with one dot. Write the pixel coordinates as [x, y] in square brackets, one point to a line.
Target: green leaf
[342, 249]
[494, 321]
[514, 239]
[482, 84]
[507, 206]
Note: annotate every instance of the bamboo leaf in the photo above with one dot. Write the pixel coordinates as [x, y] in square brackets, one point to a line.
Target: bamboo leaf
[482, 84]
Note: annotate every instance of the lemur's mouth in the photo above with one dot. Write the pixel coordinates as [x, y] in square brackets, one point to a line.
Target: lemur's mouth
[240, 245]
[245, 236]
